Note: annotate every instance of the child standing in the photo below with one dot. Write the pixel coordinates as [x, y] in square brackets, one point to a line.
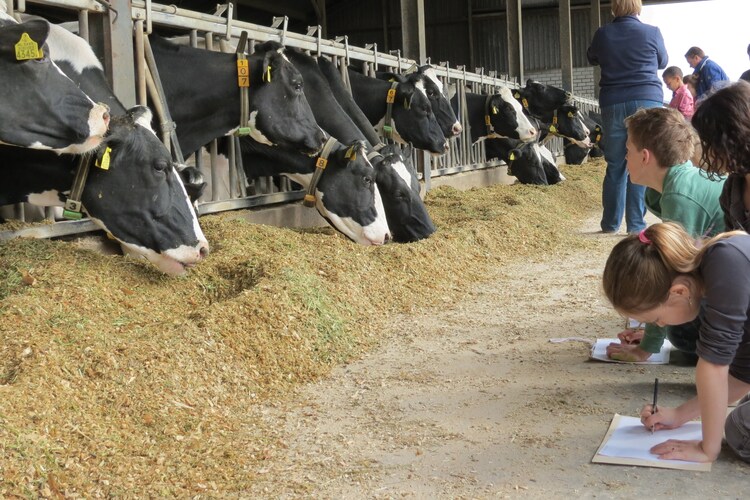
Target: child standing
[659, 146]
[660, 276]
[682, 99]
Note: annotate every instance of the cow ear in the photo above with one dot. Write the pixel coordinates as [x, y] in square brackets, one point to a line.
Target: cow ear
[268, 59]
[37, 31]
[392, 77]
[141, 115]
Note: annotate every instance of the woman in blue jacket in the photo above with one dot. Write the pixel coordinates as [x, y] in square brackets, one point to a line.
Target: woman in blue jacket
[629, 53]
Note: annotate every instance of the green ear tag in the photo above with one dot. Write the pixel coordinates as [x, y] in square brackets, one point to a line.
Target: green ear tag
[552, 129]
[267, 76]
[27, 49]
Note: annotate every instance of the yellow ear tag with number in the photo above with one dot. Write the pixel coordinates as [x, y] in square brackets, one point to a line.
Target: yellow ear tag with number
[103, 163]
[494, 110]
[267, 76]
[350, 155]
[525, 102]
[512, 157]
[27, 49]
[391, 97]
[487, 120]
[570, 114]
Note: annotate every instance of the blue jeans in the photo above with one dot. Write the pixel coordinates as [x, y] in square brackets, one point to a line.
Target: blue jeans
[619, 195]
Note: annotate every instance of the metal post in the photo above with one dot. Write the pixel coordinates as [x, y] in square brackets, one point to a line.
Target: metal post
[412, 30]
[566, 46]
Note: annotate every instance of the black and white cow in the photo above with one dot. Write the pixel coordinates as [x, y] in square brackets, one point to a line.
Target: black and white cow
[575, 154]
[204, 99]
[413, 120]
[425, 78]
[554, 107]
[139, 200]
[141, 203]
[503, 112]
[339, 115]
[40, 107]
[529, 162]
[345, 195]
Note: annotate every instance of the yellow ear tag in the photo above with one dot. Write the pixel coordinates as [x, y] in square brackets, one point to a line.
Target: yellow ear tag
[512, 157]
[103, 163]
[525, 102]
[267, 76]
[517, 95]
[598, 137]
[391, 97]
[350, 154]
[487, 120]
[552, 129]
[26, 48]
[570, 114]
[243, 73]
[494, 110]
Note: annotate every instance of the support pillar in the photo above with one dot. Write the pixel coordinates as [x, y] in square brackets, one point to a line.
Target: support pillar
[515, 40]
[566, 46]
[412, 30]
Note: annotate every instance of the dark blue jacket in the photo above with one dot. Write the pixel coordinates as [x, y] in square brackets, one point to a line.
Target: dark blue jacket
[708, 74]
[629, 53]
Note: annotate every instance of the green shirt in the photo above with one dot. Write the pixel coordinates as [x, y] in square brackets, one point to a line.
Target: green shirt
[690, 198]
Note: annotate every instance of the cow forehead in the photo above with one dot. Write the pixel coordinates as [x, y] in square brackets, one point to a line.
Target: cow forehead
[507, 96]
[430, 74]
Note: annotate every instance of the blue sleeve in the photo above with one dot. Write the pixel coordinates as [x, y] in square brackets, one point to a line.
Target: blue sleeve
[591, 53]
[661, 50]
[727, 296]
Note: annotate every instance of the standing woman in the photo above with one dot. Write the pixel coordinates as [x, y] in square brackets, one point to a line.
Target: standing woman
[629, 53]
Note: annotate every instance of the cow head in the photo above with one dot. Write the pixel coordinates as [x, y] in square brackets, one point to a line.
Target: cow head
[507, 117]
[40, 107]
[539, 98]
[348, 198]
[430, 84]
[397, 182]
[413, 119]
[567, 122]
[140, 199]
[279, 112]
[532, 163]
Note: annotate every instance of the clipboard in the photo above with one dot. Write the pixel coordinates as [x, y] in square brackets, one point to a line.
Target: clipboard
[627, 443]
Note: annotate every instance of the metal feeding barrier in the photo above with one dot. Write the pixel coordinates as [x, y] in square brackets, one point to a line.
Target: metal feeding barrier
[230, 190]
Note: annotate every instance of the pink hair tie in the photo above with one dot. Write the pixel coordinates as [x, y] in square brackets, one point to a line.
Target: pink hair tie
[643, 238]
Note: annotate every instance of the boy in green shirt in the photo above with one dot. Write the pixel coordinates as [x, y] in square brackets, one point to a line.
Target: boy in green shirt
[660, 143]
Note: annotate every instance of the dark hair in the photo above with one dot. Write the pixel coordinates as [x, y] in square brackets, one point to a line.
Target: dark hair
[695, 51]
[723, 125]
[672, 71]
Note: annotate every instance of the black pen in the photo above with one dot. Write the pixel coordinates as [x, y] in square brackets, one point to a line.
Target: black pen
[654, 409]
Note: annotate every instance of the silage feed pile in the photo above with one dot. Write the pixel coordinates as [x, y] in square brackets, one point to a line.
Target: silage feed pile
[117, 380]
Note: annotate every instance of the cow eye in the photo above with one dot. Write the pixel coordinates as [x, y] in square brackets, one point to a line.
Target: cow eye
[161, 165]
[298, 86]
[367, 180]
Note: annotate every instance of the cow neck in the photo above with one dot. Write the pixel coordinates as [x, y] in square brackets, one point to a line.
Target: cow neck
[476, 110]
[320, 166]
[390, 98]
[73, 209]
[487, 118]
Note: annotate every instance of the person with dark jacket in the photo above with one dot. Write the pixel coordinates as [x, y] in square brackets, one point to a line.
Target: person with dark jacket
[709, 73]
[629, 53]
[746, 75]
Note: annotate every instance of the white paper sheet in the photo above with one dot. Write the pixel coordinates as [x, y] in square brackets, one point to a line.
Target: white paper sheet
[599, 353]
[628, 443]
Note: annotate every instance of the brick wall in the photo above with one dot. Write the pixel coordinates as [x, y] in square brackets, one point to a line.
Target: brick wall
[583, 80]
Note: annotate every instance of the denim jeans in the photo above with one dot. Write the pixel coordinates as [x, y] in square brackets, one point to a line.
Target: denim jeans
[619, 195]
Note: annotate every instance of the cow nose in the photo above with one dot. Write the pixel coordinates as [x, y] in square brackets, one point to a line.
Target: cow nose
[533, 131]
[387, 238]
[457, 128]
[106, 117]
[203, 250]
